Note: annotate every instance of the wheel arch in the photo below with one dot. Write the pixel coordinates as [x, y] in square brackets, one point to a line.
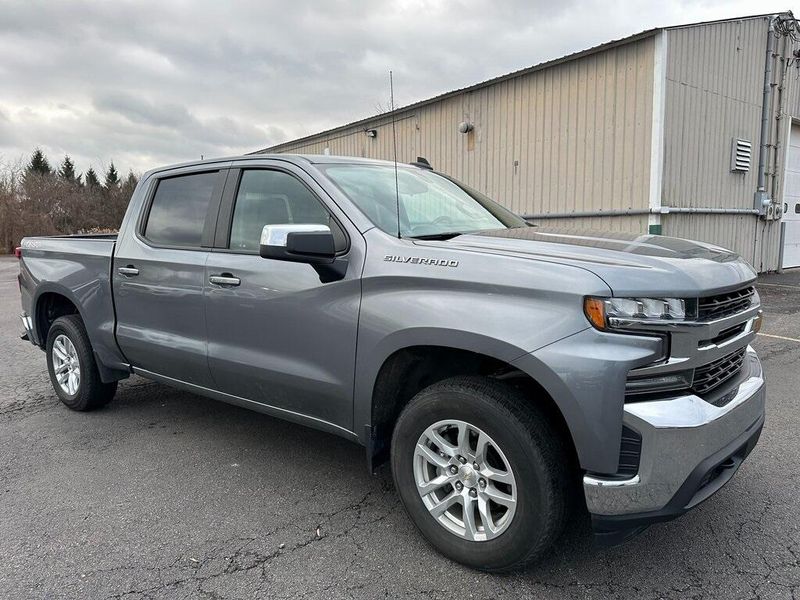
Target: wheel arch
[53, 301]
[410, 368]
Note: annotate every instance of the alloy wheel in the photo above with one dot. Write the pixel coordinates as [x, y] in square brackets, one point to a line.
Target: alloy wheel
[66, 365]
[465, 480]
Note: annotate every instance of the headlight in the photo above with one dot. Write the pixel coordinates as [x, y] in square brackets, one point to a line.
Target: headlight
[612, 313]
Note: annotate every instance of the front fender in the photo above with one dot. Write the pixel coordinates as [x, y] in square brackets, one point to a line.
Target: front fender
[585, 375]
[503, 307]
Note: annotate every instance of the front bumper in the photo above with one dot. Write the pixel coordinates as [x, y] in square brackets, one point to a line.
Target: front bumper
[690, 449]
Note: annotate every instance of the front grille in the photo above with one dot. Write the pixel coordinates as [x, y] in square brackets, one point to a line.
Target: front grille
[723, 305]
[714, 374]
[725, 335]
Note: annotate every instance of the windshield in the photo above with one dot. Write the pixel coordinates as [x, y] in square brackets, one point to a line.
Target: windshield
[431, 205]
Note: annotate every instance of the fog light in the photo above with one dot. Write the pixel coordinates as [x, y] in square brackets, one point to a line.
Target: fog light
[680, 380]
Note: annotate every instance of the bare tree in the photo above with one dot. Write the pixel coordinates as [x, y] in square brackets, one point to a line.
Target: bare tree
[35, 200]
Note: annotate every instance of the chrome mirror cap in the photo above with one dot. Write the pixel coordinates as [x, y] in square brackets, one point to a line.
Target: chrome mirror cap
[277, 235]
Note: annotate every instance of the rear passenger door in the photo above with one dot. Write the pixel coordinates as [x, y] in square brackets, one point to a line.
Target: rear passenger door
[159, 276]
[278, 335]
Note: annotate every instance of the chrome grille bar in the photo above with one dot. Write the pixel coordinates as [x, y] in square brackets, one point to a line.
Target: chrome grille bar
[714, 374]
[722, 305]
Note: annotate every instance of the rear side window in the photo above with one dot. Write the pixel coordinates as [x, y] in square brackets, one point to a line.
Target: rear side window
[178, 212]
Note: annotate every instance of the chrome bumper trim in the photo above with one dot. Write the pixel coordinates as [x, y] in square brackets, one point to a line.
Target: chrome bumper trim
[677, 435]
[691, 410]
[27, 323]
[600, 482]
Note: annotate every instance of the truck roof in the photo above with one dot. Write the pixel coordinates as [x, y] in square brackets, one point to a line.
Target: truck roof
[293, 158]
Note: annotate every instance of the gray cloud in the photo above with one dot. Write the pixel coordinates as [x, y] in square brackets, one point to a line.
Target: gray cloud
[146, 83]
[139, 110]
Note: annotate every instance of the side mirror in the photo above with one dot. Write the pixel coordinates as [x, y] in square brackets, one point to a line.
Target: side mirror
[305, 243]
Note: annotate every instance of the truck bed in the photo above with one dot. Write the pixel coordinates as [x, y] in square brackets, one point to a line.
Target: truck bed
[78, 236]
[77, 267]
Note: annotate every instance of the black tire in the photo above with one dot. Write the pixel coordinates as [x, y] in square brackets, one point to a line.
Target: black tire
[91, 392]
[535, 452]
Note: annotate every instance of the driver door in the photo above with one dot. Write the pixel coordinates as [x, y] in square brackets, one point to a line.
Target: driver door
[277, 335]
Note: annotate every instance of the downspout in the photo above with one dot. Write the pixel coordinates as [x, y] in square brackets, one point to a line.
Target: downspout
[777, 187]
[762, 199]
[633, 212]
[655, 193]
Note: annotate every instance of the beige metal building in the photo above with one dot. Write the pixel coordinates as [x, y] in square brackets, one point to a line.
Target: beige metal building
[662, 131]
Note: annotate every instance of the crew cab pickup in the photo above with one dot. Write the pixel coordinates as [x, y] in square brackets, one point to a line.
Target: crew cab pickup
[500, 367]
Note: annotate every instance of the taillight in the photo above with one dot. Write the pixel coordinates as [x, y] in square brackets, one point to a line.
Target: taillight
[18, 251]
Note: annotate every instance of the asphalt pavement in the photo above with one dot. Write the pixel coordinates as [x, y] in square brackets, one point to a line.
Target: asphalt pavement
[164, 494]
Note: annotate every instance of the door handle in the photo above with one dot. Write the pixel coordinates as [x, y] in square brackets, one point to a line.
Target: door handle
[225, 279]
[129, 271]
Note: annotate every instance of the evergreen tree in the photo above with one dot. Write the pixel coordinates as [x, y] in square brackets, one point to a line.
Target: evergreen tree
[67, 171]
[132, 180]
[112, 177]
[91, 178]
[39, 163]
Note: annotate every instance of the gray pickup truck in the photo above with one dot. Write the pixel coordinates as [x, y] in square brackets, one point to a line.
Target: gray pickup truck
[509, 373]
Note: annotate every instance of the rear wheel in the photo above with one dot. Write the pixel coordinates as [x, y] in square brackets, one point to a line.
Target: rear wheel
[481, 472]
[72, 367]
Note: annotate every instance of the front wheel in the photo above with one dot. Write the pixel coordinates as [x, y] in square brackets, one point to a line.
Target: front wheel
[72, 367]
[481, 472]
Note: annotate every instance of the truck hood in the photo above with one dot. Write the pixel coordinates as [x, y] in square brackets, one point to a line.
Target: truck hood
[630, 264]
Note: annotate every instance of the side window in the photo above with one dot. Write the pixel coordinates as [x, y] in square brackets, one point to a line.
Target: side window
[178, 211]
[274, 198]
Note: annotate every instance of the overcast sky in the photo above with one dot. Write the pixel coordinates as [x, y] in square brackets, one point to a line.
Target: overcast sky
[152, 83]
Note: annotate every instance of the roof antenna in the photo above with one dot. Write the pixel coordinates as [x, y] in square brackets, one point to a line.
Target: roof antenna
[394, 142]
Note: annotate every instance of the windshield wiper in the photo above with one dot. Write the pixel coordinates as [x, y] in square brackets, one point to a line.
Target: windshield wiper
[436, 236]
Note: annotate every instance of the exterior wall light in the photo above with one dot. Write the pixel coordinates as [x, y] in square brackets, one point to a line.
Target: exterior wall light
[371, 133]
[465, 127]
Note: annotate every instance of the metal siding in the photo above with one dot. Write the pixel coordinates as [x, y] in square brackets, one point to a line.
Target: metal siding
[714, 83]
[714, 79]
[578, 130]
[631, 223]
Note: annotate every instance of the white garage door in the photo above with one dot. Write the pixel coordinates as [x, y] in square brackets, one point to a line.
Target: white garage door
[791, 202]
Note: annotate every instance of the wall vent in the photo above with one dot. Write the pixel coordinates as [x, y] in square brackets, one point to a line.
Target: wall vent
[741, 151]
